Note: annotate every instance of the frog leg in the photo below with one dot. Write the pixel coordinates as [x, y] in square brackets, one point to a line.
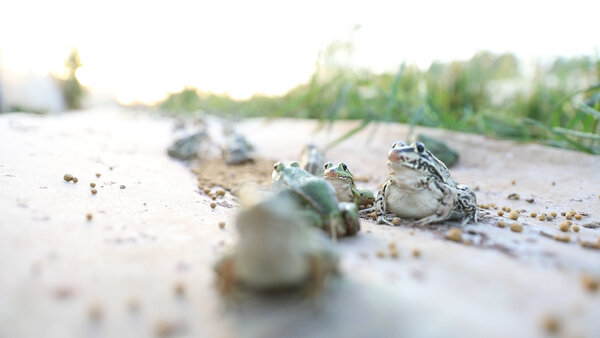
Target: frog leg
[467, 203]
[363, 196]
[446, 204]
[350, 218]
[380, 205]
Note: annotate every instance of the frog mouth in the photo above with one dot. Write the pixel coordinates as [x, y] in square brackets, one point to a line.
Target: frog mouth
[337, 177]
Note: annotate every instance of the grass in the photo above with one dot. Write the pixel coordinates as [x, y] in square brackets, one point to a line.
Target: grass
[559, 104]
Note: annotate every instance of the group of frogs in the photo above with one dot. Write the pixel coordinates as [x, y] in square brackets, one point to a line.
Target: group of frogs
[280, 245]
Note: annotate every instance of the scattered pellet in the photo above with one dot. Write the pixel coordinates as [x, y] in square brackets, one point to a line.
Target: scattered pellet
[98, 174]
[542, 217]
[220, 192]
[394, 253]
[454, 235]
[416, 253]
[164, 329]
[577, 217]
[122, 186]
[94, 191]
[530, 200]
[589, 282]
[89, 216]
[562, 213]
[133, 305]
[412, 232]
[514, 215]
[222, 225]
[551, 324]
[516, 227]
[93, 185]
[500, 213]
[590, 245]
[95, 313]
[514, 196]
[395, 220]
[533, 214]
[380, 254]
[575, 228]
[501, 224]
[68, 177]
[75, 180]
[560, 238]
[179, 289]
[568, 216]
[513, 182]
[206, 191]
[564, 226]
[553, 214]
[213, 205]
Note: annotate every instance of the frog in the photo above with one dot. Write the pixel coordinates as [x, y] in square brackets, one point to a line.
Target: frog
[420, 187]
[237, 150]
[343, 181]
[312, 159]
[188, 147]
[278, 250]
[319, 199]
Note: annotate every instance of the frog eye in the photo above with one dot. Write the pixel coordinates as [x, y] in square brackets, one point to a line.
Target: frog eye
[344, 166]
[278, 166]
[420, 147]
[328, 165]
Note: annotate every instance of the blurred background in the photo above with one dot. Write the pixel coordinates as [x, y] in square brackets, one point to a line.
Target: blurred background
[526, 70]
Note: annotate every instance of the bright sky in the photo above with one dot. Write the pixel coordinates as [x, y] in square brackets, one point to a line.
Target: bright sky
[141, 50]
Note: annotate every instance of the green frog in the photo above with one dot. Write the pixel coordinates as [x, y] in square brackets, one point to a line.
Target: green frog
[342, 180]
[319, 199]
[420, 187]
[278, 249]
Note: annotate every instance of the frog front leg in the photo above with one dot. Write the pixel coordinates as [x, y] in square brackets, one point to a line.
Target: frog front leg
[381, 204]
[366, 197]
[446, 202]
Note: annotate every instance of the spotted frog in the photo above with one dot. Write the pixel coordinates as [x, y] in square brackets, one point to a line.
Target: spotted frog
[342, 180]
[318, 198]
[420, 187]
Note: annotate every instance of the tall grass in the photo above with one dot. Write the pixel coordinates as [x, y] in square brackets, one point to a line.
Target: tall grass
[559, 104]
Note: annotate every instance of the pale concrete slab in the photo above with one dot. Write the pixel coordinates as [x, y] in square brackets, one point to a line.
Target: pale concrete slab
[63, 276]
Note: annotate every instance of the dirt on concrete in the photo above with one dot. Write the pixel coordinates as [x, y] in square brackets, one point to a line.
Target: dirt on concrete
[216, 173]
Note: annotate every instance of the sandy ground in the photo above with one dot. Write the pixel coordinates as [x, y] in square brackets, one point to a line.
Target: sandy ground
[142, 266]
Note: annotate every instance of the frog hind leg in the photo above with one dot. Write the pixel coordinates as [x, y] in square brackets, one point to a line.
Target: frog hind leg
[380, 205]
[446, 204]
[467, 203]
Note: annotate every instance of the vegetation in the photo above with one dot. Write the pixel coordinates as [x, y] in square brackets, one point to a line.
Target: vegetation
[558, 104]
[73, 92]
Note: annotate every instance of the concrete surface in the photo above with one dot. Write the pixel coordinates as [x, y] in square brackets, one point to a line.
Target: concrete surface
[142, 266]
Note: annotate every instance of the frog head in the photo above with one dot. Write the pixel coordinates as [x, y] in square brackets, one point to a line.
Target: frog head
[281, 172]
[340, 172]
[413, 160]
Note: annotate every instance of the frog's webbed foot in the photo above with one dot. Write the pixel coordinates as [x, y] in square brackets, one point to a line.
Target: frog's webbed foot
[382, 219]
